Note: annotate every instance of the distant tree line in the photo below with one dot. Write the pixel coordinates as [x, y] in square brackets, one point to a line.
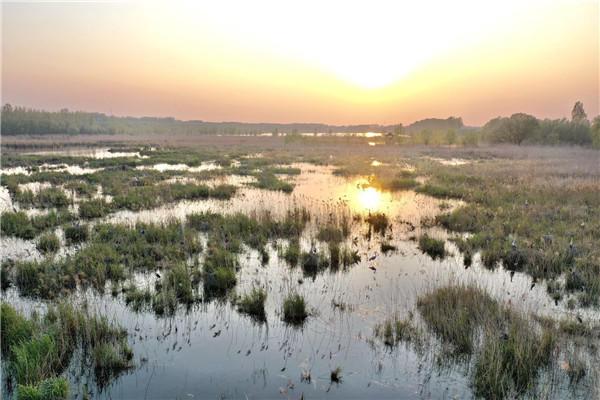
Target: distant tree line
[27, 121]
[518, 129]
[523, 128]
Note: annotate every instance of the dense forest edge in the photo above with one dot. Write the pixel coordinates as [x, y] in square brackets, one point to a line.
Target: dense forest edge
[519, 128]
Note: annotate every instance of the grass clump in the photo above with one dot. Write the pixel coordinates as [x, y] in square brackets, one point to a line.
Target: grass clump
[510, 362]
[17, 224]
[396, 330]
[51, 197]
[512, 350]
[137, 299]
[387, 247]
[330, 234]
[379, 222]
[253, 303]
[336, 375]
[48, 389]
[39, 349]
[294, 309]
[314, 261]
[94, 208]
[269, 181]
[75, 234]
[15, 328]
[431, 246]
[292, 252]
[454, 312]
[48, 243]
[219, 271]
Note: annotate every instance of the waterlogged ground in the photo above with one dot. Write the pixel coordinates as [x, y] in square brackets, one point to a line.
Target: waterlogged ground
[212, 351]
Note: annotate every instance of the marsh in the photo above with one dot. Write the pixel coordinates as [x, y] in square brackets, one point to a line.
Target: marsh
[329, 264]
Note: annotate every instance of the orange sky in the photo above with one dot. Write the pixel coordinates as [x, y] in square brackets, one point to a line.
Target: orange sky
[341, 62]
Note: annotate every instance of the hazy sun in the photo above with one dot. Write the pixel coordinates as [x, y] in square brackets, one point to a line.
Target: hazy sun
[367, 43]
[369, 198]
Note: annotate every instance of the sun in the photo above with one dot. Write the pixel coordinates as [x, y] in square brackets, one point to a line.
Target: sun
[369, 199]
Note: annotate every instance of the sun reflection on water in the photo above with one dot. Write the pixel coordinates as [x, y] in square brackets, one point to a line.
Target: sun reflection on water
[364, 198]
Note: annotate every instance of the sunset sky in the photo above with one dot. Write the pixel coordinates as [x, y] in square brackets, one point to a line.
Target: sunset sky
[341, 62]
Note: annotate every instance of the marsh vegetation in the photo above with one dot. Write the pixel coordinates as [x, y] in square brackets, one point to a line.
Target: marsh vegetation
[293, 262]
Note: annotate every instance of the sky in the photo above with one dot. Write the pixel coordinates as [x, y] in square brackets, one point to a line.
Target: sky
[337, 62]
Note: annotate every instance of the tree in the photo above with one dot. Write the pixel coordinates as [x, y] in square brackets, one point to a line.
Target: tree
[398, 130]
[596, 132]
[578, 114]
[451, 136]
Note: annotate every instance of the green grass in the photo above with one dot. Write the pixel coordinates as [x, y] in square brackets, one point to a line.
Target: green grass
[44, 198]
[510, 364]
[331, 234]
[395, 330]
[431, 246]
[510, 349]
[75, 234]
[313, 262]
[454, 312]
[39, 349]
[48, 243]
[15, 329]
[48, 389]
[294, 309]
[269, 181]
[94, 208]
[253, 303]
[17, 224]
[292, 253]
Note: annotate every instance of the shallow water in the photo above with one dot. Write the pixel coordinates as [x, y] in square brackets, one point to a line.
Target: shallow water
[205, 166]
[87, 152]
[212, 351]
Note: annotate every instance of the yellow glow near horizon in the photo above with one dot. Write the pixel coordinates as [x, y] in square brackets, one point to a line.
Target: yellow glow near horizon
[368, 44]
[376, 61]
